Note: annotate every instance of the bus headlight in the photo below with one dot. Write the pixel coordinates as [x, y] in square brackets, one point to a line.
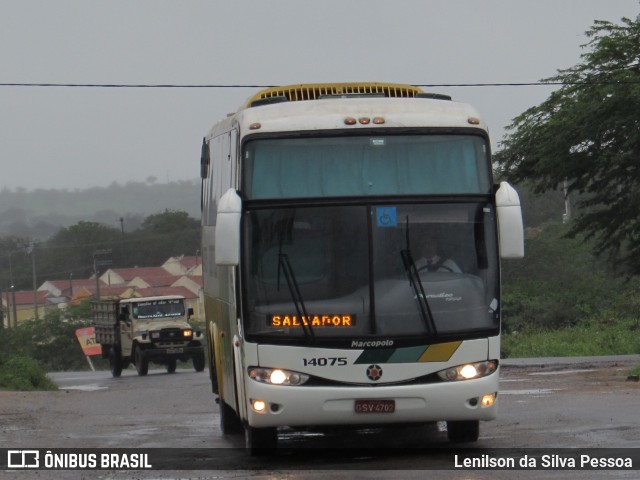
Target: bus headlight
[469, 371]
[277, 376]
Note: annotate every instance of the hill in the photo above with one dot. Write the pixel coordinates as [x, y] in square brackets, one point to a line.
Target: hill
[41, 213]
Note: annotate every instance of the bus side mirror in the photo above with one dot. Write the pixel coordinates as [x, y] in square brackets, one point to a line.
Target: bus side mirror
[227, 239]
[510, 228]
[204, 160]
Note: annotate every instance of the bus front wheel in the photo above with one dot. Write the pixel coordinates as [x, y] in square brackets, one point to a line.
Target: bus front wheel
[260, 440]
[230, 423]
[463, 431]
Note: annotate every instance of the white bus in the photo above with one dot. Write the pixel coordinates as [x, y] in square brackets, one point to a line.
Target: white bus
[319, 203]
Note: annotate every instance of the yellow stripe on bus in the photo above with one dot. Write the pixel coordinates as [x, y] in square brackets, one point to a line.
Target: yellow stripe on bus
[440, 352]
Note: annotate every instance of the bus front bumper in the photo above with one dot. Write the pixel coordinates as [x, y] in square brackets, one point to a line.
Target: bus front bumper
[392, 404]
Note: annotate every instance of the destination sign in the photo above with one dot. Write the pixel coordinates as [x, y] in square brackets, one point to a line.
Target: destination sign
[327, 320]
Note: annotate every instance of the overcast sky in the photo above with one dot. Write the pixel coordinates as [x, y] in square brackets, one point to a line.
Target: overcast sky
[75, 138]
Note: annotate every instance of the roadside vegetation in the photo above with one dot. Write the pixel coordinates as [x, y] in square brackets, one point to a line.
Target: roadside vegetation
[561, 300]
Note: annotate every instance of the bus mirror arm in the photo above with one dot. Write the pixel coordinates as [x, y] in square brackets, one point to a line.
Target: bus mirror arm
[510, 228]
[227, 237]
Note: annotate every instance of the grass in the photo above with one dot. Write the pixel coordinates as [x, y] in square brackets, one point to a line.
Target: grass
[590, 338]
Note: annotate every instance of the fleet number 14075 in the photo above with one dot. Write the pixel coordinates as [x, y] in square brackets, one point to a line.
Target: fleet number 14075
[325, 361]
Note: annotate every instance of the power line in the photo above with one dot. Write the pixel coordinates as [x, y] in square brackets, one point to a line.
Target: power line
[129, 85]
[168, 85]
[222, 86]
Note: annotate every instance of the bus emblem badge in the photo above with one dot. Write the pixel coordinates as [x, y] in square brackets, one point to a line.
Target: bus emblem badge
[374, 372]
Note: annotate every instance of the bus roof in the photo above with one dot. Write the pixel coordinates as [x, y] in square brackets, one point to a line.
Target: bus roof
[332, 106]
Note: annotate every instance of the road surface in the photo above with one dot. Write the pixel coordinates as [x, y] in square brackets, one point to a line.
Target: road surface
[553, 404]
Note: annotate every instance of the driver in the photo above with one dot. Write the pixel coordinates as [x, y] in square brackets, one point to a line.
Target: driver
[430, 257]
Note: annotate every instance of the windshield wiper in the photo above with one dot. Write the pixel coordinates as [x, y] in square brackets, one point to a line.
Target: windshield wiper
[284, 265]
[415, 282]
[418, 289]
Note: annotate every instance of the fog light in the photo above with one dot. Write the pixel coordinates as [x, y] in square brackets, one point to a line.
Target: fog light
[259, 406]
[488, 400]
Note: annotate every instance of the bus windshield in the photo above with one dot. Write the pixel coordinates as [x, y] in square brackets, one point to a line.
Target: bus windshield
[158, 309]
[389, 270]
[365, 166]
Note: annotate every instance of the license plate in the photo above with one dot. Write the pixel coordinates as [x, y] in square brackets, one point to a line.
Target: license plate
[175, 350]
[375, 406]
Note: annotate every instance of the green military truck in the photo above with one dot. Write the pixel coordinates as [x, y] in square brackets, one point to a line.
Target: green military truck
[148, 329]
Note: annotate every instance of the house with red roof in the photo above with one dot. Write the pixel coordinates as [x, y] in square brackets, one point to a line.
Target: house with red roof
[119, 276]
[19, 304]
[184, 265]
[180, 275]
[145, 281]
[67, 288]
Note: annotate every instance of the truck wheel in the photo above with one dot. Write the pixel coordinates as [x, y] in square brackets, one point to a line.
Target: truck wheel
[198, 362]
[463, 431]
[142, 362]
[260, 441]
[115, 363]
[171, 365]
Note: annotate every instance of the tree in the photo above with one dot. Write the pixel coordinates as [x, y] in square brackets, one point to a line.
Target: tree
[71, 250]
[587, 133]
[166, 234]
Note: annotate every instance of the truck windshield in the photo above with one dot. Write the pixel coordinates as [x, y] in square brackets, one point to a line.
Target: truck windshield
[413, 270]
[158, 309]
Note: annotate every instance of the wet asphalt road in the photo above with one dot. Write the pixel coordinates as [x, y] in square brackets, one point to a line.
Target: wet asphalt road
[544, 403]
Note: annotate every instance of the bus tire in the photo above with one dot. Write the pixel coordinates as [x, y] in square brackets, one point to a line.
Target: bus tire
[141, 361]
[260, 441]
[229, 421]
[115, 362]
[463, 431]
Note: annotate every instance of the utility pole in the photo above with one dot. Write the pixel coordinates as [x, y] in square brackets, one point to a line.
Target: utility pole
[1, 311]
[15, 310]
[97, 263]
[566, 216]
[31, 250]
[13, 293]
[6, 294]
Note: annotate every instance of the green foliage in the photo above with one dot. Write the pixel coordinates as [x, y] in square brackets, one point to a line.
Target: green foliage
[51, 342]
[23, 373]
[164, 235]
[71, 249]
[587, 132]
[589, 338]
[560, 282]
[537, 208]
